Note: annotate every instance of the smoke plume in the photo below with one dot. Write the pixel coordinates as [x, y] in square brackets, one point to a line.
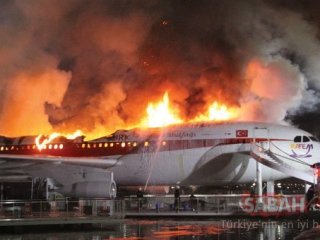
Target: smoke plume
[94, 65]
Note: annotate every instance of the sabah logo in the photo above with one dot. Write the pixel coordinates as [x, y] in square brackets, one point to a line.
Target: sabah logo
[272, 205]
[301, 150]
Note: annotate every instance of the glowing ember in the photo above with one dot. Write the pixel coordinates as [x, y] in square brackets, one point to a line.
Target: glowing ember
[161, 114]
[52, 136]
[218, 112]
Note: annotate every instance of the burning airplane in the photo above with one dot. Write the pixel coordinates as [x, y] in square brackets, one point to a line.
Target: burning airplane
[195, 153]
[161, 71]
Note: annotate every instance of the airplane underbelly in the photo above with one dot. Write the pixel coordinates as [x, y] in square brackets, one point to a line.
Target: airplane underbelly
[181, 166]
[157, 168]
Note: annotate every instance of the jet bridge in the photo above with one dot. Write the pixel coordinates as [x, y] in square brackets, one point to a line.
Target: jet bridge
[292, 166]
[268, 154]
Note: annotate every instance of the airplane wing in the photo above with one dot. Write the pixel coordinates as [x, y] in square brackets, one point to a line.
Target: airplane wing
[69, 175]
[9, 160]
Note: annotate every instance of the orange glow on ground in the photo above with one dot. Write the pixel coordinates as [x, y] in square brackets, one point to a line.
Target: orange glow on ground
[187, 230]
[126, 238]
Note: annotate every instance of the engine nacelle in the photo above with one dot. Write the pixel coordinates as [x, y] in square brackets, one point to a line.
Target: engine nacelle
[95, 189]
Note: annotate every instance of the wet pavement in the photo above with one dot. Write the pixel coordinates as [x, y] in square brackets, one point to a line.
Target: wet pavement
[177, 229]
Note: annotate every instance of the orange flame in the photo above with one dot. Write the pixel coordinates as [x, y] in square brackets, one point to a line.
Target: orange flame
[218, 112]
[161, 114]
[52, 136]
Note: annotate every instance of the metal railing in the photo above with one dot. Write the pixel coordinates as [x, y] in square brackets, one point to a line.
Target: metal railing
[120, 208]
[61, 208]
[215, 204]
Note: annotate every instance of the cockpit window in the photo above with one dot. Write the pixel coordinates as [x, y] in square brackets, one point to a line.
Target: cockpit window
[297, 139]
[314, 139]
[306, 139]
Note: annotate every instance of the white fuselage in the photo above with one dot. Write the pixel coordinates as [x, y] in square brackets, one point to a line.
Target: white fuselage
[193, 154]
[226, 160]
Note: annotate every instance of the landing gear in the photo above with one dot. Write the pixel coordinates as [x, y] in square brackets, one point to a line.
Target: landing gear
[39, 188]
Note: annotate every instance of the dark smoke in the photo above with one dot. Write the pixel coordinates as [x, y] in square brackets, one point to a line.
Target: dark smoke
[95, 65]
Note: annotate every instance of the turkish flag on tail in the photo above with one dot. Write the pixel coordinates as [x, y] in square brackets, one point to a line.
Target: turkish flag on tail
[241, 133]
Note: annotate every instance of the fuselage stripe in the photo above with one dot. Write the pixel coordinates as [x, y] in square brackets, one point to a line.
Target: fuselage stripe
[105, 149]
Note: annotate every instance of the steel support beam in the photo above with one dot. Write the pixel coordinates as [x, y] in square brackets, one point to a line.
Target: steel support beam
[270, 188]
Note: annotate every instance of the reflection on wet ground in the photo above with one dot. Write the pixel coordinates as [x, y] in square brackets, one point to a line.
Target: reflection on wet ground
[177, 229]
[173, 229]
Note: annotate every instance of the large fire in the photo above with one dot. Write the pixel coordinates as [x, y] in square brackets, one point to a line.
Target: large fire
[163, 114]
[160, 114]
[218, 112]
[46, 140]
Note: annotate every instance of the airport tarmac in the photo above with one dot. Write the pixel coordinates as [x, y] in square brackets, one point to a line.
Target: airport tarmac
[163, 229]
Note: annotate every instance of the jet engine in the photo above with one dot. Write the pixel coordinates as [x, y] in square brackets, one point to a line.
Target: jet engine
[95, 189]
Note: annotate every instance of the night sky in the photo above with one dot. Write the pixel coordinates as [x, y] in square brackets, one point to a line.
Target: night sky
[94, 65]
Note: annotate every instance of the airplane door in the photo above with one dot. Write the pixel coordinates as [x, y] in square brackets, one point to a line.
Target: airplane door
[261, 137]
